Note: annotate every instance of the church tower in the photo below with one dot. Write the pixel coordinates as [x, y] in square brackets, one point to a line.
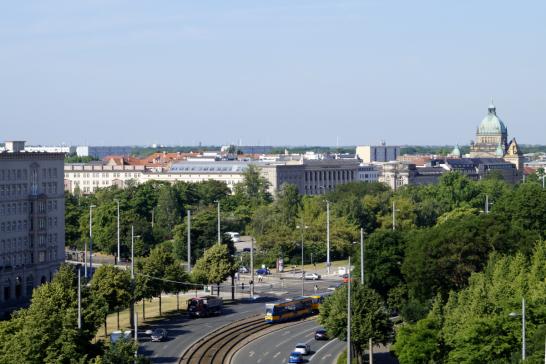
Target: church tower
[514, 155]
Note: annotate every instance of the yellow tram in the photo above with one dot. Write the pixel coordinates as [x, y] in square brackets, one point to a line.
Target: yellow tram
[289, 309]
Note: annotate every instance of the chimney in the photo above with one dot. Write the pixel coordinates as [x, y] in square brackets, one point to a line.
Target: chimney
[15, 146]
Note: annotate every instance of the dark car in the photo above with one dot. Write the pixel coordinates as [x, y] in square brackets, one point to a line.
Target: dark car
[247, 250]
[263, 271]
[159, 335]
[321, 334]
[295, 357]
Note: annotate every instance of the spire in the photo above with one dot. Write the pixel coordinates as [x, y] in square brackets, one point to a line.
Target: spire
[492, 108]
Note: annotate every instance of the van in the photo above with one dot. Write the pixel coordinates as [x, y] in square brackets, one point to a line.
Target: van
[235, 237]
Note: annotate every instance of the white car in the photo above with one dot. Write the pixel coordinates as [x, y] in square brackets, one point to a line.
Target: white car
[235, 237]
[312, 276]
[243, 269]
[302, 348]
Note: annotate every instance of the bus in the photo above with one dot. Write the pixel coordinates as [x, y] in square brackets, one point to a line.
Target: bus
[318, 299]
[289, 309]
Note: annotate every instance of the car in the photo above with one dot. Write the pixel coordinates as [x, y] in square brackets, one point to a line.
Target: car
[312, 276]
[263, 271]
[117, 335]
[295, 357]
[243, 269]
[302, 348]
[247, 250]
[346, 278]
[235, 237]
[321, 334]
[159, 335]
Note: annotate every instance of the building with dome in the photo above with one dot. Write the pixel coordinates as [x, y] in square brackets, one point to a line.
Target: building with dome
[492, 140]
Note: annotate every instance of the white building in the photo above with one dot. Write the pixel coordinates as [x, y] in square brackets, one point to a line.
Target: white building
[100, 152]
[50, 149]
[380, 153]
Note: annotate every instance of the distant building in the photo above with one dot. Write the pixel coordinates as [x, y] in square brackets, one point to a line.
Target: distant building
[398, 174]
[368, 172]
[31, 221]
[100, 152]
[380, 153]
[50, 149]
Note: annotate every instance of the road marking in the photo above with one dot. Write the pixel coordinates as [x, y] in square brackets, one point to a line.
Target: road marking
[276, 355]
[165, 346]
[292, 337]
[323, 346]
[285, 333]
[259, 360]
[266, 353]
[251, 354]
[326, 356]
[310, 334]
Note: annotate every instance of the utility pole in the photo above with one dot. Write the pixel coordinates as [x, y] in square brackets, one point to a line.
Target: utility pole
[132, 303]
[153, 212]
[189, 241]
[219, 234]
[328, 236]
[136, 333]
[486, 204]
[394, 215]
[85, 259]
[349, 315]
[302, 227]
[119, 249]
[361, 256]
[252, 266]
[79, 299]
[523, 329]
[91, 240]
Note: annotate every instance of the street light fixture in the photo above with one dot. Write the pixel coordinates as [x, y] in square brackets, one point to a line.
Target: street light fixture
[302, 227]
[119, 249]
[394, 211]
[516, 314]
[218, 219]
[91, 207]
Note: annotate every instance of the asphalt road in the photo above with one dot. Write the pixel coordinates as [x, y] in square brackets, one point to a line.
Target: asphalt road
[275, 348]
[183, 331]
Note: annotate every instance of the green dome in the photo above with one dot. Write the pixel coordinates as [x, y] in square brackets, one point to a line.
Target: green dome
[456, 152]
[491, 124]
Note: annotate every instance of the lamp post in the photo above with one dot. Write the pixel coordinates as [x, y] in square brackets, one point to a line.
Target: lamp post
[132, 303]
[91, 207]
[349, 315]
[487, 204]
[361, 256]
[515, 314]
[153, 217]
[302, 227]
[328, 236]
[394, 210]
[252, 266]
[79, 299]
[119, 249]
[189, 241]
[218, 219]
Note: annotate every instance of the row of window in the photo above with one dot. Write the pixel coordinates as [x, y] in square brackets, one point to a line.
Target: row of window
[102, 175]
[20, 258]
[22, 174]
[329, 175]
[24, 225]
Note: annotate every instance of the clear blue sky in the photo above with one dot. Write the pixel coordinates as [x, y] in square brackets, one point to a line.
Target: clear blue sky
[295, 72]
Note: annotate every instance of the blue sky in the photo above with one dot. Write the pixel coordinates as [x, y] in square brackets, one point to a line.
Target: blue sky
[288, 72]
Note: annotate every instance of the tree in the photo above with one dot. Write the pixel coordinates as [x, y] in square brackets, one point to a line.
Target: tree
[214, 266]
[113, 285]
[369, 318]
[422, 343]
[288, 203]
[168, 211]
[47, 332]
[122, 352]
[254, 187]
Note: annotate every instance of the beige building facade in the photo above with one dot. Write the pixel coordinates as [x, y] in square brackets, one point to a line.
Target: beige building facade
[31, 221]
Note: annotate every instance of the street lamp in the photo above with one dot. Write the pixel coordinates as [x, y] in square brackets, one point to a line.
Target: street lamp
[119, 250]
[189, 241]
[132, 315]
[349, 315]
[394, 210]
[361, 256]
[252, 266]
[218, 218]
[516, 314]
[91, 207]
[302, 227]
[327, 231]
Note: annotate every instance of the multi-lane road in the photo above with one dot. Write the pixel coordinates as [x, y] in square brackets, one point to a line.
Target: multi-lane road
[275, 347]
[184, 331]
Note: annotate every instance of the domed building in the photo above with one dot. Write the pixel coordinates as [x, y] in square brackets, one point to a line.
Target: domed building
[492, 140]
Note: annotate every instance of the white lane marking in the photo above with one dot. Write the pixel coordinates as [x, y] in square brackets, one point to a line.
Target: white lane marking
[266, 353]
[259, 360]
[326, 356]
[165, 346]
[251, 354]
[292, 337]
[276, 355]
[285, 333]
[322, 347]
[310, 334]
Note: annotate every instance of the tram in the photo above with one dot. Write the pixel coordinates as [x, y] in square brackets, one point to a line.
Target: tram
[289, 309]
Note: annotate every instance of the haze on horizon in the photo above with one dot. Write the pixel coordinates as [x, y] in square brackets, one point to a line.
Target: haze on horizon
[287, 72]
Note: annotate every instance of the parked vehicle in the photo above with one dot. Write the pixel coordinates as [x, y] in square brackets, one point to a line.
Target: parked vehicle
[235, 237]
[116, 335]
[302, 348]
[295, 357]
[205, 306]
[263, 271]
[159, 335]
[312, 276]
[321, 334]
[243, 269]
[247, 250]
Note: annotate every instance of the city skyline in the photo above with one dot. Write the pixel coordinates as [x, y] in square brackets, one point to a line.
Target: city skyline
[344, 73]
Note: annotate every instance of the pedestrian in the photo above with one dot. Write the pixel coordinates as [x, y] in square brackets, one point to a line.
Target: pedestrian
[316, 288]
[243, 286]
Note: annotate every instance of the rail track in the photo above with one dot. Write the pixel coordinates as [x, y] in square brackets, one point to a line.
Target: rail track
[213, 348]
